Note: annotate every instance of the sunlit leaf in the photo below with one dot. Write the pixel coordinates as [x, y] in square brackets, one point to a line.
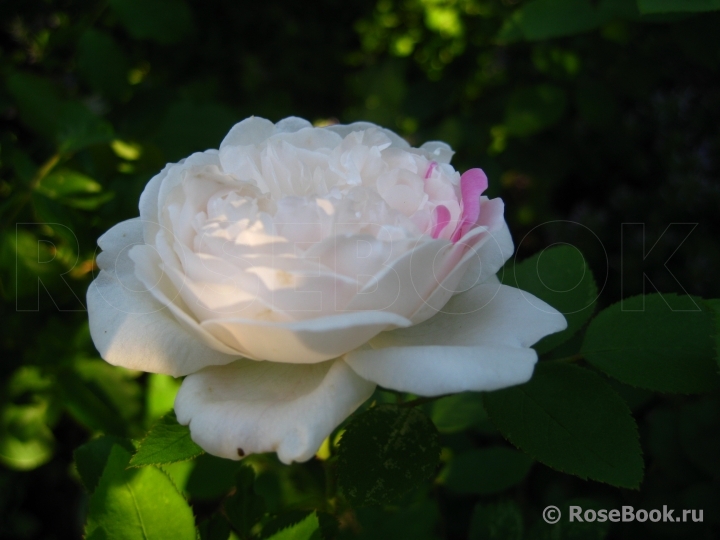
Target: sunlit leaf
[166, 442]
[26, 441]
[141, 504]
[88, 203]
[26, 414]
[307, 529]
[160, 396]
[91, 458]
[67, 182]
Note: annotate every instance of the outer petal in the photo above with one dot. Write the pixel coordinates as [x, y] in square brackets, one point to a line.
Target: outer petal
[302, 342]
[480, 341]
[291, 124]
[345, 129]
[488, 256]
[438, 151]
[253, 130]
[163, 182]
[129, 327]
[248, 407]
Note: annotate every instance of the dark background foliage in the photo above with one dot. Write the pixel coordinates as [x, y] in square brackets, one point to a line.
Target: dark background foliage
[585, 119]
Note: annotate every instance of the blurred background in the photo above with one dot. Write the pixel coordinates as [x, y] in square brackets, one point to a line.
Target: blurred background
[585, 114]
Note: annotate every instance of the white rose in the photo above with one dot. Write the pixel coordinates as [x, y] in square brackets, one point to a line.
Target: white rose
[290, 272]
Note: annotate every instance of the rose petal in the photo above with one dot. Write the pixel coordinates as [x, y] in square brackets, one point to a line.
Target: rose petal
[442, 218]
[491, 253]
[345, 129]
[253, 130]
[480, 341]
[161, 184]
[403, 283]
[248, 407]
[438, 151]
[129, 326]
[291, 124]
[438, 370]
[472, 183]
[302, 342]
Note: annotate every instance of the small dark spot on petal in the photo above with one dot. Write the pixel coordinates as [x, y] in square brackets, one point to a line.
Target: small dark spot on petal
[241, 452]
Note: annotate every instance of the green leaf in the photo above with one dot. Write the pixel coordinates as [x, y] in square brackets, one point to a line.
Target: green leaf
[179, 472]
[164, 21]
[458, 412]
[659, 342]
[70, 124]
[531, 110]
[386, 452]
[570, 419]
[37, 101]
[26, 441]
[141, 504]
[329, 525]
[307, 529]
[91, 458]
[539, 20]
[78, 128]
[561, 277]
[160, 396]
[66, 182]
[88, 203]
[117, 386]
[166, 442]
[102, 63]
[215, 528]
[87, 403]
[486, 471]
[244, 509]
[677, 6]
[499, 521]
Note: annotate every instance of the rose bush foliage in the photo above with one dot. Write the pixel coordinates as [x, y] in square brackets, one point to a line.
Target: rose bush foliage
[288, 273]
